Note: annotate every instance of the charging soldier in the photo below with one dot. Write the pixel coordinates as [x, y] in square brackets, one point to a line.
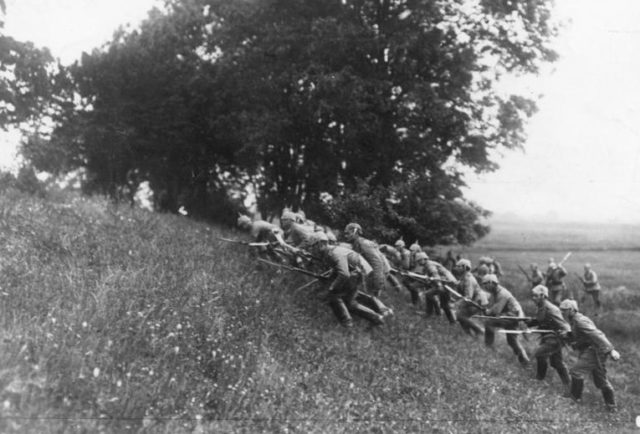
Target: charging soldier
[436, 297]
[469, 288]
[549, 317]
[592, 286]
[349, 269]
[593, 350]
[504, 304]
[555, 282]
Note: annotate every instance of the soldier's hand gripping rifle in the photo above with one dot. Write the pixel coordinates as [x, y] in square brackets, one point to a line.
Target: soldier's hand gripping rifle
[417, 277]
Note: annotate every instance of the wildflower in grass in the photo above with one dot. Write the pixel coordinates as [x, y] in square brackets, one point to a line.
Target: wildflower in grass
[96, 372]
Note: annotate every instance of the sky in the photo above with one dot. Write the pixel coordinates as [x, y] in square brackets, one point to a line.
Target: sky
[581, 161]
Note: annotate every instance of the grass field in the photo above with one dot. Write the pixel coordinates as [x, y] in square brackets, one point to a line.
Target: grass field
[114, 319]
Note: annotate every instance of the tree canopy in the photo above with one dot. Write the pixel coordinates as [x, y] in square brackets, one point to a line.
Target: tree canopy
[353, 110]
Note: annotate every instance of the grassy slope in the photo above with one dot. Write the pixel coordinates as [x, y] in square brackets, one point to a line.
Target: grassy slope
[117, 319]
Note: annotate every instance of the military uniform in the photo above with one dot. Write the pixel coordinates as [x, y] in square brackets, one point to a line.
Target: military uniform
[469, 288]
[537, 278]
[555, 283]
[592, 286]
[343, 291]
[505, 304]
[437, 297]
[593, 347]
[548, 317]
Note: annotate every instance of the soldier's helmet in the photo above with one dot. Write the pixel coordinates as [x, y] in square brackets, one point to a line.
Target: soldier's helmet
[540, 290]
[534, 266]
[464, 264]
[318, 238]
[400, 243]
[415, 247]
[569, 305]
[244, 220]
[299, 217]
[288, 215]
[353, 229]
[587, 266]
[489, 278]
[485, 260]
[421, 255]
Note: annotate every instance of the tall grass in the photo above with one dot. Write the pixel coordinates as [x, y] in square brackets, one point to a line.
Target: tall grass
[115, 319]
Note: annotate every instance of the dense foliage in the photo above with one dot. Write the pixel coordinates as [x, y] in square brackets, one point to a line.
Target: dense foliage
[299, 102]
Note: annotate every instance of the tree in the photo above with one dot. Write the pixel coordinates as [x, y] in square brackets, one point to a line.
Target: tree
[401, 93]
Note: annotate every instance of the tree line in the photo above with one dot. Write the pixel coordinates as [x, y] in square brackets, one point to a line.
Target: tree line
[351, 110]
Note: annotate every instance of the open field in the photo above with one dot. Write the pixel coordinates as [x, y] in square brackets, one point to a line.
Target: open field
[119, 320]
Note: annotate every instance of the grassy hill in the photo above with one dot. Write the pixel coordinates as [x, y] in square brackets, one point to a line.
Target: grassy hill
[115, 319]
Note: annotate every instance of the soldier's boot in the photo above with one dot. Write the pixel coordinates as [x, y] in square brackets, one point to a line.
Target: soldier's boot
[576, 388]
[342, 313]
[609, 399]
[366, 313]
[541, 368]
[523, 359]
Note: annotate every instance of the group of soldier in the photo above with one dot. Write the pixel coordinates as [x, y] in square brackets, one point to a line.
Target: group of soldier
[358, 270]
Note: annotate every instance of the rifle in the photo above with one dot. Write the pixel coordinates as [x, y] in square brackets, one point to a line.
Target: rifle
[524, 332]
[244, 243]
[579, 277]
[467, 299]
[323, 276]
[506, 318]
[529, 279]
[417, 277]
[564, 259]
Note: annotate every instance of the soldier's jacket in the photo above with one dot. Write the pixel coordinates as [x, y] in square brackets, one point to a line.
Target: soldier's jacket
[405, 255]
[504, 303]
[536, 277]
[549, 317]
[344, 262]
[436, 269]
[555, 276]
[584, 334]
[298, 235]
[262, 231]
[369, 250]
[469, 287]
[591, 281]
[392, 254]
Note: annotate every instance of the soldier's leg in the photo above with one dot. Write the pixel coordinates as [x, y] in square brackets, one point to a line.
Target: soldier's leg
[558, 364]
[489, 335]
[373, 303]
[431, 302]
[545, 351]
[599, 375]
[445, 303]
[585, 364]
[360, 310]
[596, 300]
[395, 283]
[340, 310]
[555, 296]
[514, 342]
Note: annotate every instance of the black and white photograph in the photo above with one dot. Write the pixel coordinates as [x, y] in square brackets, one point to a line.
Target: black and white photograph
[319, 216]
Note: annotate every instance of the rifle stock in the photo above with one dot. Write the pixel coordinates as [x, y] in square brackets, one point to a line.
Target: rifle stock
[244, 243]
[529, 279]
[467, 299]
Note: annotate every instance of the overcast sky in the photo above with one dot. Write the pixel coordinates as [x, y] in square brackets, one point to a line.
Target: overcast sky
[582, 159]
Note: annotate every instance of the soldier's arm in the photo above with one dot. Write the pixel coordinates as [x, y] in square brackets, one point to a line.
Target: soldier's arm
[595, 336]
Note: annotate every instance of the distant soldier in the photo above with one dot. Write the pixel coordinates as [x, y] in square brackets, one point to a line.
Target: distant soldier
[469, 288]
[591, 286]
[263, 231]
[297, 236]
[549, 317]
[503, 303]
[480, 271]
[449, 261]
[405, 255]
[593, 350]
[392, 254]
[555, 282]
[381, 270]
[415, 287]
[537, 278]
[492, 266]
[437, 297]
[349, 269]
[414, 249]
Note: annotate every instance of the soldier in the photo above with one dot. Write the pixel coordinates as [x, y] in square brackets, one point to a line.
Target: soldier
[537, 278]
[414, 286]
[375, 281]
[414, 249]
[296, 236]
[555, 282]
[349, 269]
[437, 297]
[591, 286]
[392, 254]
[449, 261]
[549, 317]
[593, 350]
[469, 288]
[405, 255]
[490, 265]
[263, 231]
[503, 304]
